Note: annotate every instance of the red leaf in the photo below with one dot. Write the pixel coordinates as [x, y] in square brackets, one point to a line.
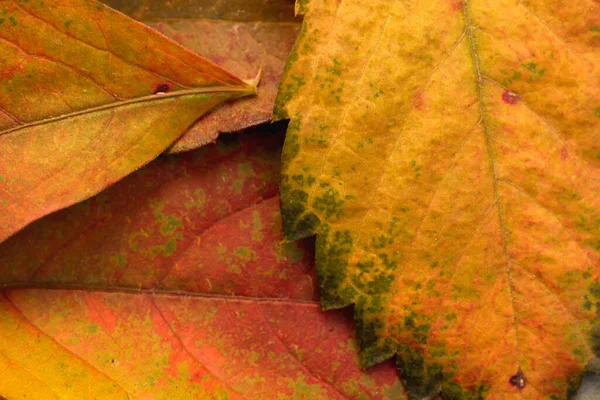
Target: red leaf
[176, 283]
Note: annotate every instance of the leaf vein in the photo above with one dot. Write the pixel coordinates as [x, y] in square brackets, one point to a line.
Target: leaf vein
[347, 106]
[488, 145]
[52, 339]
[459, 261]
[378, 187]
[107, 50]
[548, 288]
[549, 211]
[296, 360]
[185, 349]
[560, 39]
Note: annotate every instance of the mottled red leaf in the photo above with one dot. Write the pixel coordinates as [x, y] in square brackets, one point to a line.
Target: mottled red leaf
[176, 283]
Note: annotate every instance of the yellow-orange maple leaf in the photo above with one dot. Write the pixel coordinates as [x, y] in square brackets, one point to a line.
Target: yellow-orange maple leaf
[447, 155]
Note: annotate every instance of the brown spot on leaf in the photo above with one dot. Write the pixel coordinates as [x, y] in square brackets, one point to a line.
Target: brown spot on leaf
[518, 380]
[162, 88]
[510, 97]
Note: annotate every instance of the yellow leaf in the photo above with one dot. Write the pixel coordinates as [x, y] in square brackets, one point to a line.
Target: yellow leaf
[447, 155]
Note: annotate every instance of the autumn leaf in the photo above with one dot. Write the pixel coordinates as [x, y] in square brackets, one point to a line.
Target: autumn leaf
[240, 36]
[447, 155]
[208, 211]
[175, 283]
[102, 345]
[223, 10]
[88, 96]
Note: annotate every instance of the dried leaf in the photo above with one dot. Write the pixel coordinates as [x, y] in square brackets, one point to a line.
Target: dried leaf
[81, 103]
[447, 155]
[190, 292]
[224, 10]
[241, 37]
[242, 48]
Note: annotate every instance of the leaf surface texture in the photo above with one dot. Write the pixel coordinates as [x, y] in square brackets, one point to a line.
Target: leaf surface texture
[88, 96]
[175, 283]
[447, 156]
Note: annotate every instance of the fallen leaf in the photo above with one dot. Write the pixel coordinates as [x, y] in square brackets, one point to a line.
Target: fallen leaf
[175, 283]
[447, 155]
[212, 214]
[154, 346]
[224, 10]
[241, 37]
[88, 96]
[244, 49]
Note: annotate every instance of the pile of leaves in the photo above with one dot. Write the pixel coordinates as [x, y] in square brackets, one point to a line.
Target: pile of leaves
[428, 226]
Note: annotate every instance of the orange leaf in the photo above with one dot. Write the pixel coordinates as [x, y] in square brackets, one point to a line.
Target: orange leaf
[88, 96]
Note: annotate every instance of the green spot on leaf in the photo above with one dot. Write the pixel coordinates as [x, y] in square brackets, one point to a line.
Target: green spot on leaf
[170, 247]
[170, 225]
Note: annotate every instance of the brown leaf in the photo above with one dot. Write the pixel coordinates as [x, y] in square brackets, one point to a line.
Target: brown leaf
[240, 36]
[224, 10]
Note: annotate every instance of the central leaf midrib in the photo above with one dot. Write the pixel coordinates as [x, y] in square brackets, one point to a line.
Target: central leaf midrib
[247, 90]
[129, 290]
[490, 153]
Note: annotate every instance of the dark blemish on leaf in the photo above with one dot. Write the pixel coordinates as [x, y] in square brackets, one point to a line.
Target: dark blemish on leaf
[162, 88]
[510, 97]
[595, 340]
[421, 380]
[597, 112]
[594, 289]
[518, 380]
[530, 66]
